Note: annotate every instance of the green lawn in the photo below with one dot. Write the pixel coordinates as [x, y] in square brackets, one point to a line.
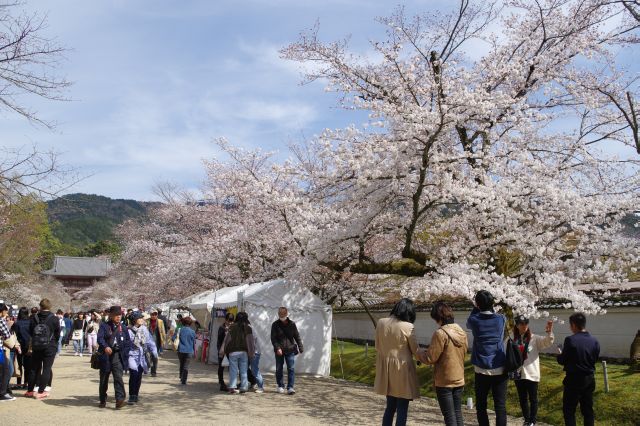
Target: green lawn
[621, 406]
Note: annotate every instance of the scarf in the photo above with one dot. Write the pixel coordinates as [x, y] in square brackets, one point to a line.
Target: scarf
[140, 337]
[523, 345]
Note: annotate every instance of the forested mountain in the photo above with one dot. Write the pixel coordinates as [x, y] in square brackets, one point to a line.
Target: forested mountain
[79, 220]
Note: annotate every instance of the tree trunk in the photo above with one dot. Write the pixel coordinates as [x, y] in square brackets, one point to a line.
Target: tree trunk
[366, 309]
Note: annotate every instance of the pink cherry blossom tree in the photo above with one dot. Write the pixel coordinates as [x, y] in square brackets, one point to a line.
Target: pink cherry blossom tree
[500, 154]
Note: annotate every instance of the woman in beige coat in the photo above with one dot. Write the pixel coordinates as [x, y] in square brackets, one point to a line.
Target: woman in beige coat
[446, 352]
[396, 377]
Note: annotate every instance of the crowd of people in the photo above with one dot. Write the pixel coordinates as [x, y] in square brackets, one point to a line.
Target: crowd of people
[497, 355]
[132, 343]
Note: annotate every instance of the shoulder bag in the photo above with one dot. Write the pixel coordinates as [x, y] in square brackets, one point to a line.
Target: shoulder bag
[176, 342]
[11, 342]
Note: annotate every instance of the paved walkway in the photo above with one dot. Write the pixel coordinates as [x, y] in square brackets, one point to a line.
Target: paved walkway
[74, 401]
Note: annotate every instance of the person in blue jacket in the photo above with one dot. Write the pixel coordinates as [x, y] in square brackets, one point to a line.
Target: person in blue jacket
[186, 342]
[141, 342]
[488, 358]
[114, 344]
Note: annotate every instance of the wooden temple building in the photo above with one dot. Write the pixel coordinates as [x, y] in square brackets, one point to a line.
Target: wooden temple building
[78, 273]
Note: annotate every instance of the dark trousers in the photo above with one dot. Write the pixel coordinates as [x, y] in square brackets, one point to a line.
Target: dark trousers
[135, 381]
[398, 407]
[41, 364]
[118, 383]
[154, 365]
[528, 394]
[578, 389]
[24, 365]
[185, 360]
[250, 376]
[450, 401]
[498, 387]
[220, 371]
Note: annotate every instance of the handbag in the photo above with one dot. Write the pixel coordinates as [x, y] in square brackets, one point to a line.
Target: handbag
[176, 342]
[77, 335]
[95, 360]
[11, 342]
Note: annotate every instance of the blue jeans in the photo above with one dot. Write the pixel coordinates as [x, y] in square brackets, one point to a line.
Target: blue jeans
[450, 401]
[60, 343]
[290, 359]
[238, 363]
[255, 369]
[12, 356]
[78, 346]
[398, 407]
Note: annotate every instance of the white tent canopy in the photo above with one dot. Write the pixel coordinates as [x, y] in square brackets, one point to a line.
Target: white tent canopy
[261, 301]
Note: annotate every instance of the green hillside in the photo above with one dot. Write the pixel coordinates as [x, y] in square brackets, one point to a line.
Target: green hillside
[79, 220]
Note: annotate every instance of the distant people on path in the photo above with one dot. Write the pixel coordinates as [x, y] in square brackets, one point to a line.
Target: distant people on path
[21, 328]
[64, 330]
[92, 332]
[580, 352]
[527, 377]
[287, 343]
[186, 343]
[255, 365]
[5, 334]
[143, 347]
[165, 322]
[396, 376]
[488, 358]
[157, 330]
[77, 335]
[114, 344]
[446, 352]
[45, 333]
[222, 332]
[238, 347]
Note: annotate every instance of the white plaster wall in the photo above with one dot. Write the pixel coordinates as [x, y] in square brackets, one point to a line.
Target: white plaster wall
[615, 331]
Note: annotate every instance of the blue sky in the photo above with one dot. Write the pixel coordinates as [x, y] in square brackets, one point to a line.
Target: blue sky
[154, 82]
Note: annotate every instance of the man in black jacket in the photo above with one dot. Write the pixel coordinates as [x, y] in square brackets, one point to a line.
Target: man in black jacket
[580, 353]
[114, 344]
[286, 344]
[43, 353]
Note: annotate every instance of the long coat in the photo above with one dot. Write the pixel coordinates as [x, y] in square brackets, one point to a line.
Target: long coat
[106, 334]
[396, 346]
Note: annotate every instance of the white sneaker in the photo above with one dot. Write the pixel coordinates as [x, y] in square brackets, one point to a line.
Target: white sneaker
[280, 390]
[47, 389]
[81, 355]
[291, 391]
[75, 354]
[259, 390]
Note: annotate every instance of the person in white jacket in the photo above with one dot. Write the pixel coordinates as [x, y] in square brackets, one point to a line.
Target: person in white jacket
[527, 377]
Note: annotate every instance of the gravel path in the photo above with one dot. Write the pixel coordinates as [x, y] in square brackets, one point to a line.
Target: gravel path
[74, 401]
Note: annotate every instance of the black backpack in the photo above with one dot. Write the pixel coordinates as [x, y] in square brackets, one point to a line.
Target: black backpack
[42, 335]
[514, 357]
